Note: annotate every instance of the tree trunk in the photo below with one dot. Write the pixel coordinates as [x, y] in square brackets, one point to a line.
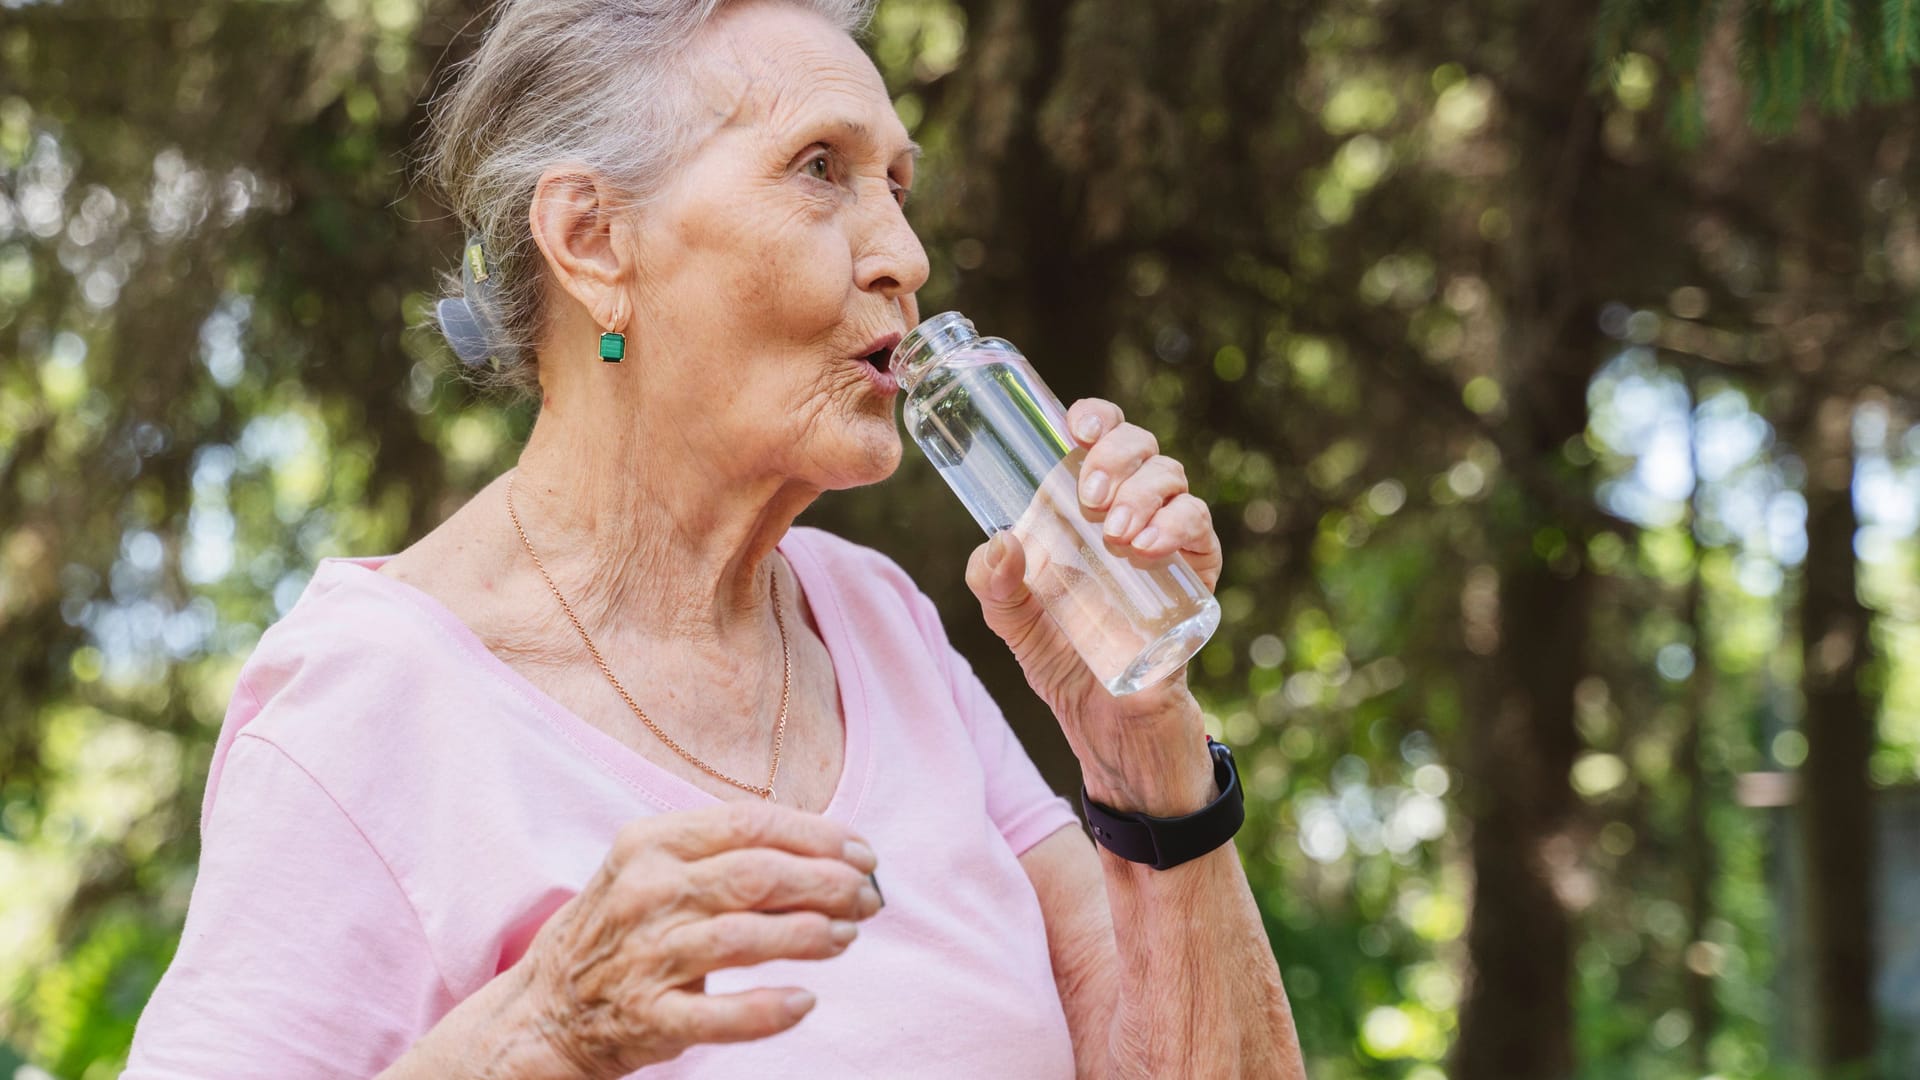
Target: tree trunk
[1516, 1020]
[1696, 844]
[1836, 820]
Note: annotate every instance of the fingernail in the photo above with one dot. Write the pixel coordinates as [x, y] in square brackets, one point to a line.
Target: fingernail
[1093, 487]
[843, 932]
[874, 879]
[1087, 427]
[860, 855]
[799, 1002]
[1147, 536]
[996, 550]
[869, 899]
[1118, 521]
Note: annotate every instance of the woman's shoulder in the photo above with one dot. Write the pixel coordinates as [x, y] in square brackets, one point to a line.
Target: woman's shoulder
[350, 617]
[355, 650]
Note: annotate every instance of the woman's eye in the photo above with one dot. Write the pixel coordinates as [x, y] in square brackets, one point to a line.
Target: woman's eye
[819, 168]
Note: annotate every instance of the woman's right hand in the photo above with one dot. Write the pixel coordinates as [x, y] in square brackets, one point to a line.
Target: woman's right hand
[616, 978]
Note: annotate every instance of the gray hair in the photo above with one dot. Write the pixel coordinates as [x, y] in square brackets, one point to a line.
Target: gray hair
[601, 82]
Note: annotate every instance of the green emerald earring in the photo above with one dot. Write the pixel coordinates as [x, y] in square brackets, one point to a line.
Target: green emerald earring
[613, 347]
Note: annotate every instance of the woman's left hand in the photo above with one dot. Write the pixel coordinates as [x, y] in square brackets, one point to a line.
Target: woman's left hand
[1143, 752]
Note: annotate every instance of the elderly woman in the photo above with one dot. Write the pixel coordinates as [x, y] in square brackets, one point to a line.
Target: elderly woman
[595, 778]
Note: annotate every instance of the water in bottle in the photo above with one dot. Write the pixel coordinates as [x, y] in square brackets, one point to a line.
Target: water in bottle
[999, 438]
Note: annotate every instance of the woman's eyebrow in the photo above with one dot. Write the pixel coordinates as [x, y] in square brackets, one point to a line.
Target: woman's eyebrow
[860, 131]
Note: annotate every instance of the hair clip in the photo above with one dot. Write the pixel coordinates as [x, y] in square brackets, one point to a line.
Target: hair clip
[464, 330]
[476, 262]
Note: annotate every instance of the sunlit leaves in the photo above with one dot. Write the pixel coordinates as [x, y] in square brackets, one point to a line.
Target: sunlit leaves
[1362, 102]
[918, 39]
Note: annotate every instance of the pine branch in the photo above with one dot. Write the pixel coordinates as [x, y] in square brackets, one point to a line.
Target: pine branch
[1686, 115]
[1613, 27]
[1842, 82]
[1900, 34]
[1835, 22]
[1835, 54]
[1686, 35]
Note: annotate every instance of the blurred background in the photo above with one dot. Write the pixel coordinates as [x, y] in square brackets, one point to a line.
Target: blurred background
[1549, 368]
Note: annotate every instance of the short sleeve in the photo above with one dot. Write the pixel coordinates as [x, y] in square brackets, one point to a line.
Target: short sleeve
[302, 956]
[1022, 806]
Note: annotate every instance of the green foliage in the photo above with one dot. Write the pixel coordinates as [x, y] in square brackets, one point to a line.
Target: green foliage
[1832, 54]
[85, 1006]
[1900, 35]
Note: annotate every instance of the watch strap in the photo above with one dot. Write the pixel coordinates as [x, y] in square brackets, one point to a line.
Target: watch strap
[1164, 843]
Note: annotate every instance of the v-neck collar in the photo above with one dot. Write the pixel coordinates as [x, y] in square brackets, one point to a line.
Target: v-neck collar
[658, 785]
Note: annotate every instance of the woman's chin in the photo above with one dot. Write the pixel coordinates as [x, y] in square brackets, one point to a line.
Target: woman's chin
[870, 454]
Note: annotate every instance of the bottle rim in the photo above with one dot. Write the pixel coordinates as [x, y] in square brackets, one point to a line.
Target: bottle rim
[927, 342]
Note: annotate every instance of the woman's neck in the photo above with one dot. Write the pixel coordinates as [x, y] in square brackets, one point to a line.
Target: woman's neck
[650, 528]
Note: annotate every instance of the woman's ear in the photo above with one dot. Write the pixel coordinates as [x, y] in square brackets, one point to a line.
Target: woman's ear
[575, 220]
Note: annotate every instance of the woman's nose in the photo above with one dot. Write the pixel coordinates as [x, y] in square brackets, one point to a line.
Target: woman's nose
[892, 262]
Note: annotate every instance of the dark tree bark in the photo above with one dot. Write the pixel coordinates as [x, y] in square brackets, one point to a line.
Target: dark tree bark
[1696, 846]
[1835, 356]
[1836, 821]
[1517, 1017]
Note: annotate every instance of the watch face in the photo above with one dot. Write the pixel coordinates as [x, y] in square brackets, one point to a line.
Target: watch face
[1223, 767]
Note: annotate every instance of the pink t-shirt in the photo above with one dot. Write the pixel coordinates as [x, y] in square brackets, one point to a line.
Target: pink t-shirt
[392, 812]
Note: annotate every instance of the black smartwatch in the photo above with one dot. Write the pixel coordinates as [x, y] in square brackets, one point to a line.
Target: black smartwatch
[1163, 843]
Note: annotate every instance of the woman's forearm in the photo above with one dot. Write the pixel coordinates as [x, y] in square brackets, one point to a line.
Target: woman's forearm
[1198, 992]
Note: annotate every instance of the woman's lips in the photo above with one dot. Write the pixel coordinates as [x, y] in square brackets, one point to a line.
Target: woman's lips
[882, 344]
[879, 378]
[874, 361]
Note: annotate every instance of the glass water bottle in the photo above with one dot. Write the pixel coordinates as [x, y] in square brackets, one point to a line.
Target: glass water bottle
[999, 438]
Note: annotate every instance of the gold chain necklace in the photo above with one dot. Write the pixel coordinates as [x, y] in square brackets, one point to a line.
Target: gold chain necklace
[786, 669]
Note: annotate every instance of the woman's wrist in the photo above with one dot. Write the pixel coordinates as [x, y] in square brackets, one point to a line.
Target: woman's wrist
[1153, 761]
[498, 1032]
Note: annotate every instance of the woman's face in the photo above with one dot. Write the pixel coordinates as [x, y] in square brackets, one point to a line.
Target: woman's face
[778, 259]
